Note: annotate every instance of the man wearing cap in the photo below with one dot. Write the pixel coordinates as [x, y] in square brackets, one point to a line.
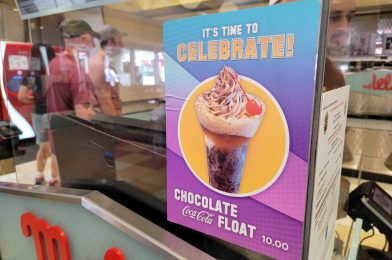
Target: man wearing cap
[105, 83]
[67, 83]
[67, 86]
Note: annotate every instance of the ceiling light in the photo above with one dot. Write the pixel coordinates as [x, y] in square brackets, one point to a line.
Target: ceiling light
[190, 4]
[228, 6]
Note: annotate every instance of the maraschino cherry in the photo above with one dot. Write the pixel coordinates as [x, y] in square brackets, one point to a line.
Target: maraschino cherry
[252, 106]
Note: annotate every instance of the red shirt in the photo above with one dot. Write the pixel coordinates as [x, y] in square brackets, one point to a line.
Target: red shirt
[67, 84]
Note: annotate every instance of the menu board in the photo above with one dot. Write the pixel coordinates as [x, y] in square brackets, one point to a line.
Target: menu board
[332, 127]
[240, 89]
[37, 8]
[18, 62]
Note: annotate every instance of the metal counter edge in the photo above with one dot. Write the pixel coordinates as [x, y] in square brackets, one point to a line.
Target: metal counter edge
[132, 224]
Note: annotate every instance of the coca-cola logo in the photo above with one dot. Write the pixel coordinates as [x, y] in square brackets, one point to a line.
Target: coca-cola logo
[380, 84]
[202, 215]
[51, 242]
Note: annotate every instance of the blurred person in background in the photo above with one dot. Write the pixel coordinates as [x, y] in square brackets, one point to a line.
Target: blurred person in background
[338, 40]
[158, 114]
[68, 89]
[33, 91]
[105, 82]
[342, 13]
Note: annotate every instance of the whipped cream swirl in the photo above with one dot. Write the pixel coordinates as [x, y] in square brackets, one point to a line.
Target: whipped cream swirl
[226, 99]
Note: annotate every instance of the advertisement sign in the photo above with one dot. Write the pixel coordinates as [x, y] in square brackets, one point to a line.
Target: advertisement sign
[373, 82]
[239, 98]
[29, 9]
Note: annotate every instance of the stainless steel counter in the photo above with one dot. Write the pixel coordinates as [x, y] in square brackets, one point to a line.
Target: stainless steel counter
[133, 225]
[368, 146]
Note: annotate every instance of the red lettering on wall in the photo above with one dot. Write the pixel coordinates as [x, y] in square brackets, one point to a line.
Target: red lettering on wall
[114, 254]
[381, 84]
[368, 86]
[50, 242]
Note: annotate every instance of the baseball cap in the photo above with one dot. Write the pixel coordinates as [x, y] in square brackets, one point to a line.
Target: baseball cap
[109, 32]
[76, 28]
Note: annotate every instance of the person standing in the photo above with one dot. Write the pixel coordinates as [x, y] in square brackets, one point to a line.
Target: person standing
[41, 55]
[68, 88]
[105, 83]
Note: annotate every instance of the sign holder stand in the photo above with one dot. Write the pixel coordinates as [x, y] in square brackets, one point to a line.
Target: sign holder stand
[325, 4]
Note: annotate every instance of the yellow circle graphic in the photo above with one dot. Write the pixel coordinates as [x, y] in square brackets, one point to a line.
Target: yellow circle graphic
[267, 149]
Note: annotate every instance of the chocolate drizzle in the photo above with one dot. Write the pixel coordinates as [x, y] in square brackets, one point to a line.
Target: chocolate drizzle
[226, 99]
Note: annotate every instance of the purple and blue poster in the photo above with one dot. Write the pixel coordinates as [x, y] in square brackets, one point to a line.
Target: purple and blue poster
[239, 98]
